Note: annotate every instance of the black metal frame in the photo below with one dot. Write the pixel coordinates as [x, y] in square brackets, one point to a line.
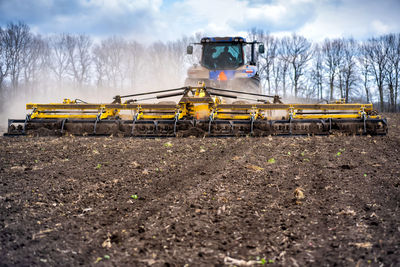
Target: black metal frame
[252, 123]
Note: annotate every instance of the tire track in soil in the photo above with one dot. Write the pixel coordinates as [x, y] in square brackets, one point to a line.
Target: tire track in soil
[181, 188]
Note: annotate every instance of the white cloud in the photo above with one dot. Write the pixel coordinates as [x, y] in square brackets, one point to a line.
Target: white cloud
[271, 12]
[95, 17]
[123, 5]
[359, 19]
[228, 17]
[380, 27]
[151, 20]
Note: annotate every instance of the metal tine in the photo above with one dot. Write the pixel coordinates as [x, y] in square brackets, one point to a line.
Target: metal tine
[155, 92]
[238, 92]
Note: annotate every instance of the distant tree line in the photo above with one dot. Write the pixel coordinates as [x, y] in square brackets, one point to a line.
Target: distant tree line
[335, 68]
[367, 71]
[35, 64]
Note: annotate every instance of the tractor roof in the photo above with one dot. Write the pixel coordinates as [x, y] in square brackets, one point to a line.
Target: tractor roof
[223, 39]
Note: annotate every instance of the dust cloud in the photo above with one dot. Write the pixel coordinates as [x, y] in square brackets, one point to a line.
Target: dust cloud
[14, 105]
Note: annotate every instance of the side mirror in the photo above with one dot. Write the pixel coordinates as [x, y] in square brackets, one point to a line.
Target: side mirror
[261, 49]
[189, 50]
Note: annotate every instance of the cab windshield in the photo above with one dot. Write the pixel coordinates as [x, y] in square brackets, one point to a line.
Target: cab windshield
[222, 56]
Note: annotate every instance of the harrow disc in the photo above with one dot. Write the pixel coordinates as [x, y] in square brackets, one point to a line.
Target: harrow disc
[216, 128]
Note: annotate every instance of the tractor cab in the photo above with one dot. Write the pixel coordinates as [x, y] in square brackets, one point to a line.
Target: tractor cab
[224, 64]
[222, 56]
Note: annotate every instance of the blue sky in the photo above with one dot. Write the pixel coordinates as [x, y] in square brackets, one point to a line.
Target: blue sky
[152, 20]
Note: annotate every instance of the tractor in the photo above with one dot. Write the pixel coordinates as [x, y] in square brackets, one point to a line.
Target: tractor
[224, 64]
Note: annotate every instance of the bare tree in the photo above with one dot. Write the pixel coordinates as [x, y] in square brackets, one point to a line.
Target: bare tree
[134, 63]
[176, 58]
[109, 58]
[348, 67]
[332, 51]
[17, 38]
[280, 70]
[364, 69]
[376, 52]
[317, 72]
[59, 63]
[157, 54]
[79, 58]
[296, 52]
[5, 58]
[267, 59]
[99, 60]
[276, 76]
[195, 57]
[34, 62]
[168, 62]
[309, 88]
[392, 68]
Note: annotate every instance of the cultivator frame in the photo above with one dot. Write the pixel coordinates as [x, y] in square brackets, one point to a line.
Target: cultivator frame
[200, 112]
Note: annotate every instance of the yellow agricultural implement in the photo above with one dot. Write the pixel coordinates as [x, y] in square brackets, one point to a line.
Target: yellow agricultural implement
[201, 111]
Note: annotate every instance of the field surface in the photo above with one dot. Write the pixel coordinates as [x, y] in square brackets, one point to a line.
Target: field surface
[315, 201]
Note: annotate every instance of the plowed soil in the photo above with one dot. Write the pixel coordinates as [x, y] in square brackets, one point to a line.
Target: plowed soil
[292, 201]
